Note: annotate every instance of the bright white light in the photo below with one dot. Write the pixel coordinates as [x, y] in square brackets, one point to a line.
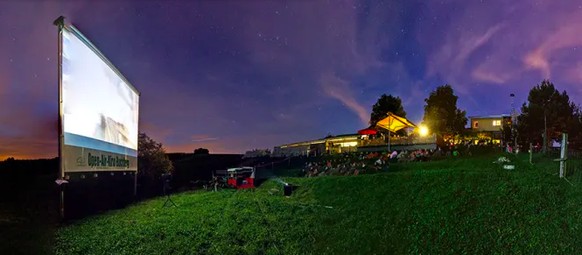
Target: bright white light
[423, 131]
[349, 144]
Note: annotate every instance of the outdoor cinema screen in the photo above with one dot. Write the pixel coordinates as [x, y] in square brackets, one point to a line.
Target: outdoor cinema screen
[99, 110]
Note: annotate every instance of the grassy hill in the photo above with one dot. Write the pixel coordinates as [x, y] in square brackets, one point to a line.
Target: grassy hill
[458, 206]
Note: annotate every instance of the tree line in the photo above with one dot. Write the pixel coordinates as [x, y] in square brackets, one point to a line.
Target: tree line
[546, 109]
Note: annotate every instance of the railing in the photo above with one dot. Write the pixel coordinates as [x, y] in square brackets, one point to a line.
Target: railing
[399, 141]
[374, 142]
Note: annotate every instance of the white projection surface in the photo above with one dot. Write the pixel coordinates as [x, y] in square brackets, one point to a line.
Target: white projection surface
[99, 110]
[98, 104]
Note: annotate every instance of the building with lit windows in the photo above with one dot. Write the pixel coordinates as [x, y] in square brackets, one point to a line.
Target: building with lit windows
[330, 144]
[366, 140]
[483, 130]
[488, 129]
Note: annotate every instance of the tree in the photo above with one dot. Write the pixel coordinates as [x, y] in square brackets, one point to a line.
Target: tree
[442, 116]
[385, 104]
[546, 105]
[152, 159]
[506, 133]
[576, 130]
[201, 151]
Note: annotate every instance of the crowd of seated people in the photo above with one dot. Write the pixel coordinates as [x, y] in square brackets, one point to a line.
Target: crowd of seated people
[416, 155]
[345, 164]
[360, 163]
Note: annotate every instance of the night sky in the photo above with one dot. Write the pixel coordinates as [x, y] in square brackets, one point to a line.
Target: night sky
[236, 75]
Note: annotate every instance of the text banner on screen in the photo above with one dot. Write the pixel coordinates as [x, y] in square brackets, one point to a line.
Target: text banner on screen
[81, 159]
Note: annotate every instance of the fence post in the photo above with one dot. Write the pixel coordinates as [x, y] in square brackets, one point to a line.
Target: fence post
[530, 153]
[563, 154]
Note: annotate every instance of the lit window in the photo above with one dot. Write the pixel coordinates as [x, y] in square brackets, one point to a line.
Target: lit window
[476, 124]
[497, 123]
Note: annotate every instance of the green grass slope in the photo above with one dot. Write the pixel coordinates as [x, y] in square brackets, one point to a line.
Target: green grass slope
[457, 206]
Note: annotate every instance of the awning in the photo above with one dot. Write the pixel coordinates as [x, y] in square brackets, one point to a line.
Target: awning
[394, 123]
[368, 131]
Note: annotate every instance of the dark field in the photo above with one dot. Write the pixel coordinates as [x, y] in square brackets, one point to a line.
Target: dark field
[28, 207]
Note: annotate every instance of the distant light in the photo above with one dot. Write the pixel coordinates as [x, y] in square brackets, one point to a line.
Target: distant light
[348, 144]
[423, 131]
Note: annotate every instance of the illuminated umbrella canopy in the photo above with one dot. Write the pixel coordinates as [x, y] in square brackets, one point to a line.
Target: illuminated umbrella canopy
[368, 131]
[393, 123]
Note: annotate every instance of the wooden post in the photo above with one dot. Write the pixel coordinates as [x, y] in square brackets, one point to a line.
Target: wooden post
[62, 202]
[563, 154]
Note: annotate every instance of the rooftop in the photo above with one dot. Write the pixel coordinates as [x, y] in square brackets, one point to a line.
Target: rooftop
[490, 116]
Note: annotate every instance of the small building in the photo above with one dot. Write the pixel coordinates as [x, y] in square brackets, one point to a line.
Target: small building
[489, 123]
[300, 148]
[488, 128]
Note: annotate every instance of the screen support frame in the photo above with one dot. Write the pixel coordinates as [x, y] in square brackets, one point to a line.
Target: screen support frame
[60, 23]
[62, 178]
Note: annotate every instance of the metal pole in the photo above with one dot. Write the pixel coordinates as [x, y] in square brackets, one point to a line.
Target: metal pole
[388, 140]
[545, 134]
[515, 138]
[513, 121]
[60, 23]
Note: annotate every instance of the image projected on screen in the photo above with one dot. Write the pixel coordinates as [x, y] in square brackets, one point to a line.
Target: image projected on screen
[97, 103]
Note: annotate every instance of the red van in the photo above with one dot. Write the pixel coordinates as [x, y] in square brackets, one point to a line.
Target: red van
[241, 177]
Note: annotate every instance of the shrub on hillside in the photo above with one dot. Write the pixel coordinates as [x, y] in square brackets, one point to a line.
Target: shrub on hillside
[152, 163]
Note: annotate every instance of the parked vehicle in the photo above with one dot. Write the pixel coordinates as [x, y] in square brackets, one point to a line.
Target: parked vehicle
[241, 177]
